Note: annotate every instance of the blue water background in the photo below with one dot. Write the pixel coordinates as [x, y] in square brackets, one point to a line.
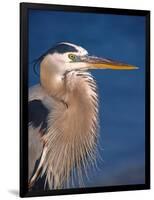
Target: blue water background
[122, 93]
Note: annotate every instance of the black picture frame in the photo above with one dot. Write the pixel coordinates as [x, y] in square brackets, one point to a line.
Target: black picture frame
[24, 7]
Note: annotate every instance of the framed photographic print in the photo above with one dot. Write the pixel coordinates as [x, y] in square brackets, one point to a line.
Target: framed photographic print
[85, 99]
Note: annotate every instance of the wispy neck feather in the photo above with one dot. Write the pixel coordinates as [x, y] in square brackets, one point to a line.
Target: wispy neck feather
[70, 140]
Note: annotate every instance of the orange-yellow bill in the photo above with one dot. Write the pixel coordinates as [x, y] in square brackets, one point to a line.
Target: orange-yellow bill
[101, 63]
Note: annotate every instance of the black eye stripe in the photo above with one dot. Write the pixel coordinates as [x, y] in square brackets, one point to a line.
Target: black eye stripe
[62, 48]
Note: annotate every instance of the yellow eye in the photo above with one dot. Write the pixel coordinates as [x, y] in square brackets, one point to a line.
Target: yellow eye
[71, 56]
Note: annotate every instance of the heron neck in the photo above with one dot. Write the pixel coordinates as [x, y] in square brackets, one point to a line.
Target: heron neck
[71, 137]
[51, 81]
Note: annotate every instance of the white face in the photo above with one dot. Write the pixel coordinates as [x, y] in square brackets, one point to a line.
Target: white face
[62, 62]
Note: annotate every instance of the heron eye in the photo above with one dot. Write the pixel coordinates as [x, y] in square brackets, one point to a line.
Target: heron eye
[71, 56]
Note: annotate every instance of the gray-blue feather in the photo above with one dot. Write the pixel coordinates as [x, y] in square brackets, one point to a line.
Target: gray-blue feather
[38, 114]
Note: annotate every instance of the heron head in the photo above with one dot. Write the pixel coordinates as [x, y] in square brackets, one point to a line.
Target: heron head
[67, 57]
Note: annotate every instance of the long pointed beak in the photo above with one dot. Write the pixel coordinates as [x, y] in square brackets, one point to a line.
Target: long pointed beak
[93, 62]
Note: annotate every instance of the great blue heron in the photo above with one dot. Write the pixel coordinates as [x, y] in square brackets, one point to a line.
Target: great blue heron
[63, 113]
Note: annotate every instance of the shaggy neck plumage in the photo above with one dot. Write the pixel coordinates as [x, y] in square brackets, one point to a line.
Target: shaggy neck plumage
[70, 140]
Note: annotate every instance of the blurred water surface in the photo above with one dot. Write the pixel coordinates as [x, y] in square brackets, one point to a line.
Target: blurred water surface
[122, 93]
